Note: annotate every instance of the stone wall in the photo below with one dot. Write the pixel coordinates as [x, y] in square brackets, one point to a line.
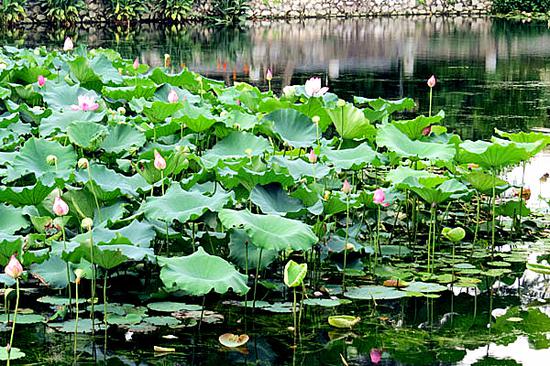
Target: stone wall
[96, 10]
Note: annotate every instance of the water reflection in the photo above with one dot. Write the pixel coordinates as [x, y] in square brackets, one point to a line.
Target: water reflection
[491, 72]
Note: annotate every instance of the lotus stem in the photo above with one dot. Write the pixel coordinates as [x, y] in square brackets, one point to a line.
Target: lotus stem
[518, 224]
[431, 95]
[76, 317]
[346, 245]
[256, 278]
[493, 215]
[68, 267]
[14, 320]
[162, 182]
[93, 284]
[92, 188]
[294, 313]
[105, 299]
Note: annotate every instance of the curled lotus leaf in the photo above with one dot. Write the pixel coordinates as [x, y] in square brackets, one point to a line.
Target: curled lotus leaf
[233, 340]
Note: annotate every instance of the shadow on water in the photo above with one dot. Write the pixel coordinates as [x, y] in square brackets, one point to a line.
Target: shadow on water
[491, 72]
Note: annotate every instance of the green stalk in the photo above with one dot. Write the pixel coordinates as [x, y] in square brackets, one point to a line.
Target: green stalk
[256, 278]
[493, 215]
[294, 313]
[346, 244]
[162, 182]
[518, 224]
[430, 111]
[68, 267]
[14, 319]
[93, 284]
[92, 188]
[76, 317]
[105, 299]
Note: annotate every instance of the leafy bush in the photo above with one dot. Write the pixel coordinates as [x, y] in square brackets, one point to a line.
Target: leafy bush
[12, 11]
[173, 9]
[127, 10]
[228, 12]
[63, 11]
[508, 6]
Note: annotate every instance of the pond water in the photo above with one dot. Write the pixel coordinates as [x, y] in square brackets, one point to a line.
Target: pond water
[491, 74]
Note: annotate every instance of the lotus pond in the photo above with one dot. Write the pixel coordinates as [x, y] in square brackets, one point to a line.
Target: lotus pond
[153, 216]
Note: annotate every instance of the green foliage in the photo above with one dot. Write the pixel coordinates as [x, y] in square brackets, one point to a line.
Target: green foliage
[174, 10]
[228, 12]
[63, 11]
[508, 6]
[12, 11]
[126, 10]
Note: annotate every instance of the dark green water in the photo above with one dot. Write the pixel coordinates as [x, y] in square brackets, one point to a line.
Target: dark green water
[490, 74]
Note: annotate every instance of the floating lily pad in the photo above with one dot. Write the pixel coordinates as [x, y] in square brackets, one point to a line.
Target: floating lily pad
[170, 306]
[374, 292]
[161, 320]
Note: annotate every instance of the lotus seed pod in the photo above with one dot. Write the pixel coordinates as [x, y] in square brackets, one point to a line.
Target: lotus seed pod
[248, 152]
[51, 159]
[121, 110]
[83, 163]
[340, 103]
[316, 119]
[79, 273]
[87, 223]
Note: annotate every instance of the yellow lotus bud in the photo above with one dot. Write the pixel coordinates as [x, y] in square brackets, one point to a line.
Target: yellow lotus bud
[87, 223]
[340, 103]
[316, 119]
[83, 163]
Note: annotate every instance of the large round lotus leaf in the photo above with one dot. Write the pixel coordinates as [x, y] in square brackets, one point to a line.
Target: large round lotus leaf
[199, 273]
[171, 306]
[23, 318]
[161, 320]
[12, 219]
[236, 146]
[122, 138]
[272, 199]
[374, 292]
[238, 252]
[139, 234]
[270, 231]
[491, 155]
[326, 303]
[52, 272]
[94, 73]
[109, 256]
[424, 287]
[399, 174]
[351, 122]
[61, 95]
[414, 128]
[108, 180]
[60, 121]
[390, 106]
[57, 301]
[394, 140]
[294, 273]
[25, 196]
[156, 111]
[198, 119]
[84, 325]
[483, 182]
[128, 93]
[432, 190]
[183, 206]
[298, 168]
[355, 158]
[295, 128]
[87, 135]
[15, 354]
[128, 319]
[33, 158]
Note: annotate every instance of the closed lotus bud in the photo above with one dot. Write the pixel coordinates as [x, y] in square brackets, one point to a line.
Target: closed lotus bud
[51, 159]
[14, 269]
[87, 223]
[60, 208]
[83, 163]
[41, 80]
[316, 119]
[375, 356]
[312, 157]
[427, 131]
[159, 162]
[68, 45]
[346, 187]
[136, 63]
[326, 196]
[79, 273]
[350, 246]
[269, 75]
[167, 60]
[340, 103]
[431, 81]
[454, 235]
[173, 96]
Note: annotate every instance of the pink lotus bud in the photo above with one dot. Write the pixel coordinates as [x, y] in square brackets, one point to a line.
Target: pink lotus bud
[159, 163]
[41, 80]
[68, 45]
[375, 355]
[312, 157]
[60, 208]
[427, 131]
[346, 187]
[173, 96]
[379, 196]
[431, 82]
[13, 268]
[136, 63]
[268, 75]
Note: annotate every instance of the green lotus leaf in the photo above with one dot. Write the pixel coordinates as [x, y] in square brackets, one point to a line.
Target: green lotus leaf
[394, 140]
[199, 273]
[107, 256]
[137, 233]
[107, 180]
[454, 234]
[513, 209]
[185, 79]
[272, 199]
[354, 159]
[83, 325]
[242, 250]
[94, 73]
[162, 320]
[351, 123]
[298, 168]
[294, 273]
[60, 121]
[270, 231]
[123, 138]
[198, 119]
[311, 107]
[15, 354]
[424, 287]
[127, 319]
[295, 128]
[170, 306]
[25, 196]
[414, 128]
[435, 189]
[33, 159]
[60, 96]
[52, 272]
[244, 121]
[326, 303]
[156, 111]
[183, 206]
[491, 155]
[9, 245]
[399, 174]
[374, 292]
[87, 135]
[539, 268]
[23, 318]
[390, 106]
[127, 93]
[343, 321]
[483, 182]
[12, 219]
[237, 145]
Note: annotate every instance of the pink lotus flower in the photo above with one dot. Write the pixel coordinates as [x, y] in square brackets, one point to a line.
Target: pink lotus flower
[312, 157]
[427, 131]
[431, 82]
[60, 208]
[136, 63]
[41, 80]
[159, 163]
[13, 268]
[346, 187]
[269, 75]
[379, 198]
[173, 96]
[85, 103]
[375, 355]
[313, 88]
[68, 45]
